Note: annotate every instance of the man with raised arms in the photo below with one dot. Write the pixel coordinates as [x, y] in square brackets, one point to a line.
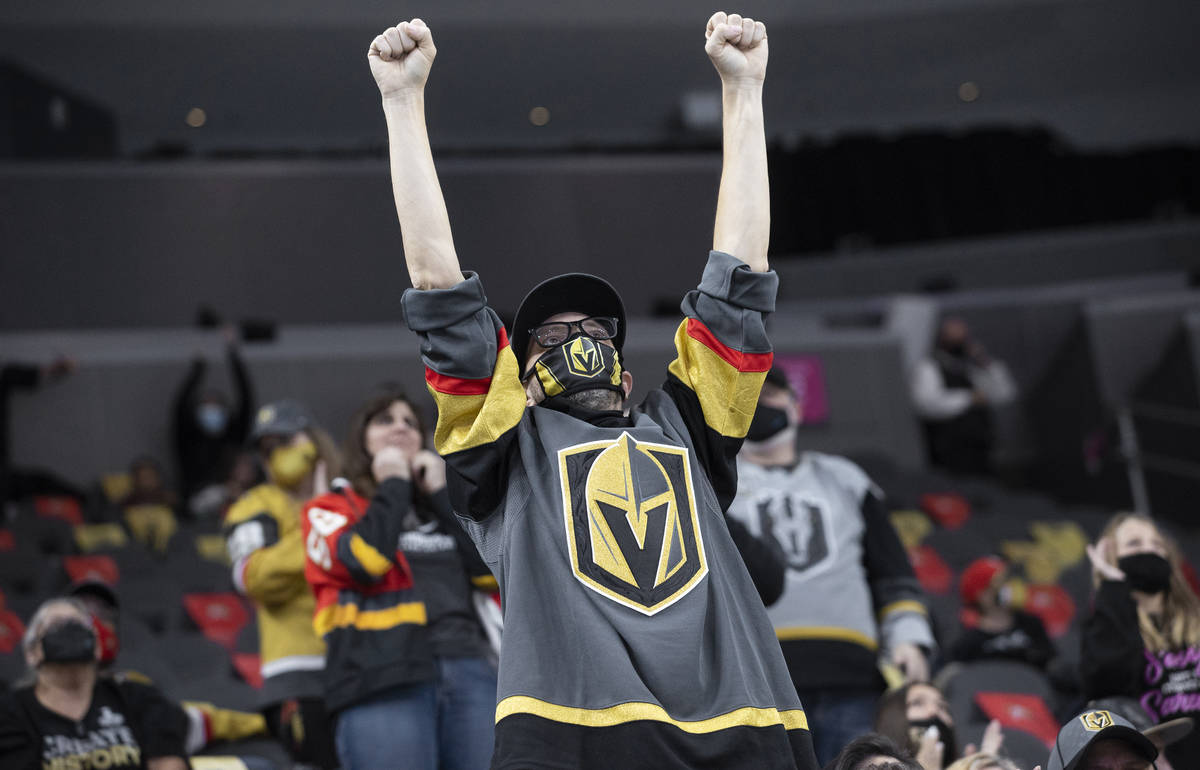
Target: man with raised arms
[634, 635]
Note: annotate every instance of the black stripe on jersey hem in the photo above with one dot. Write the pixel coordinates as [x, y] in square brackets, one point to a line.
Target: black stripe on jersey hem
[528, 742]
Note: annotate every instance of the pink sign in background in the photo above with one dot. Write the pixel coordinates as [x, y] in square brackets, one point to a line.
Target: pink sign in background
[807, 375]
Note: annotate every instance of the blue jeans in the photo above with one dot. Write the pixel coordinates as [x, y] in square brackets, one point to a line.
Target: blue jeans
[837, 717]
[443, 725]
[466, 696]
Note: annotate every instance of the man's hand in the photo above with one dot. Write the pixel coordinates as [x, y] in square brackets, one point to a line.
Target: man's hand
[428, 472]
[909, 659]
[737, 47]
[401, 57]
[390, 463]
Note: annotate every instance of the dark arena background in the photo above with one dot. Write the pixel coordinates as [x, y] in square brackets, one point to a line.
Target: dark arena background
[178, 180]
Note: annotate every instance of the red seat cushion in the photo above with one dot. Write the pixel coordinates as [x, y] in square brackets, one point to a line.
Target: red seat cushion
[220, 616]
[1020, 712]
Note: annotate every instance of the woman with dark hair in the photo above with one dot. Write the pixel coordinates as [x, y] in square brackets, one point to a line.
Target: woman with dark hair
[917, 717]
[1142, 638]
[407, 670]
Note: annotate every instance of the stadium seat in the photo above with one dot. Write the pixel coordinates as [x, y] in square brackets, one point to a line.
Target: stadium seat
[153, 599]
[219, 616]
[94, 537]
[249, 667]
[102, 568]
[193, 657]
[961, 682]
[43, 534]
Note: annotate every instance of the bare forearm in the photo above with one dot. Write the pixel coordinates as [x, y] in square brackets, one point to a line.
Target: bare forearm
[424, 222]
[743, 222]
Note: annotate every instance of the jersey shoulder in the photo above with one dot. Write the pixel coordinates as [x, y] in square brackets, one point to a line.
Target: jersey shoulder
[265, 498]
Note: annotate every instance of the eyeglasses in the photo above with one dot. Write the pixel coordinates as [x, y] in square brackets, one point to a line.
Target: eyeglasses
[552, 335]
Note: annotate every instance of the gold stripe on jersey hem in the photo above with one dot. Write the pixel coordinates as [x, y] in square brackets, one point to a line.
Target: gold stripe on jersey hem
[622, 713]
[828, 633]
[346, 615]
[905, 605]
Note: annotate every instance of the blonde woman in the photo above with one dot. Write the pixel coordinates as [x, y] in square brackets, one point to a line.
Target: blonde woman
[1142, 638]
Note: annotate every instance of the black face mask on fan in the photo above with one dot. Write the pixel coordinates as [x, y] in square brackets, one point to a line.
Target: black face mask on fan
[1146, 572]
[69, 642]
[768, 422]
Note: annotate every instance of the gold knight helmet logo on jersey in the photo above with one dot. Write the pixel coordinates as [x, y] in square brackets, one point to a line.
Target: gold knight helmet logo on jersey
[633, 532]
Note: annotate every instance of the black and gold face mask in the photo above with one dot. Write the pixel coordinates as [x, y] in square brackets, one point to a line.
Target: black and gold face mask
[581, 363]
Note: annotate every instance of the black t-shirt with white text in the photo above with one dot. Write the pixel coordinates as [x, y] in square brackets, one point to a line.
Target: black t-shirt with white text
[126, 725]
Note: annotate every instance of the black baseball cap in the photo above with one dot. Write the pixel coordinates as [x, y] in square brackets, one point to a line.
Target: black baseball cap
[1084, 729]
[570, 292]
[96, 588]
[280, 418]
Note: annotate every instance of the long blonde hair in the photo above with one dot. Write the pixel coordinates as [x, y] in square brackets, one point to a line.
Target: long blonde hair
[1180, 622]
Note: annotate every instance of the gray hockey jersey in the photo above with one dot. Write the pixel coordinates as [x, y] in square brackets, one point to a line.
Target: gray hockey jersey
[633, 635]
[850, 593]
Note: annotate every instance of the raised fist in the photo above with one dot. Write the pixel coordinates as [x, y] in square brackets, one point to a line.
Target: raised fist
[401, 57]
[737, 47]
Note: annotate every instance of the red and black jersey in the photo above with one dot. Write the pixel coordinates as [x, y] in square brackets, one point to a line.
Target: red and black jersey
[372, 621]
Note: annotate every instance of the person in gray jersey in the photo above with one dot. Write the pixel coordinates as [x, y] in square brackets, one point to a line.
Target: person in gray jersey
[850, 599]
[634, 636]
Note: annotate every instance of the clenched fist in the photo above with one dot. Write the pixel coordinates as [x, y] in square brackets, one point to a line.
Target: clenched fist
[391, 462]
[401, 57]
[737, 47]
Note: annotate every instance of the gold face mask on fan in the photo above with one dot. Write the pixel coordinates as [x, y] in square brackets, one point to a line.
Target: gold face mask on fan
[290, 465]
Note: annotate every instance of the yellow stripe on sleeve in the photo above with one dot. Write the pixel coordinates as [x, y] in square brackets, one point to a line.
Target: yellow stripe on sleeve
[485, 583]
[469, 420]
[372, 561]
[728, 397]
[905, 605]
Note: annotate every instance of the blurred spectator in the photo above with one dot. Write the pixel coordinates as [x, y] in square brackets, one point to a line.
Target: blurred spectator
[993, 630]
[72, 717]
[1101, 740]
[1161, 735]
[212, 501]
[1142, 638]
[17, 484]
[148, 485]
[267, 550]
[872, 752]
[954, 391]
[419, 685]
[850, 596]
[206, 722]
[917, 717]
[209, 427]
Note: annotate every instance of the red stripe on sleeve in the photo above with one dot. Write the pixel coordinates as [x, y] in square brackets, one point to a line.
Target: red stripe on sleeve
[457, 386]
[461, 386]
[743, 362]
